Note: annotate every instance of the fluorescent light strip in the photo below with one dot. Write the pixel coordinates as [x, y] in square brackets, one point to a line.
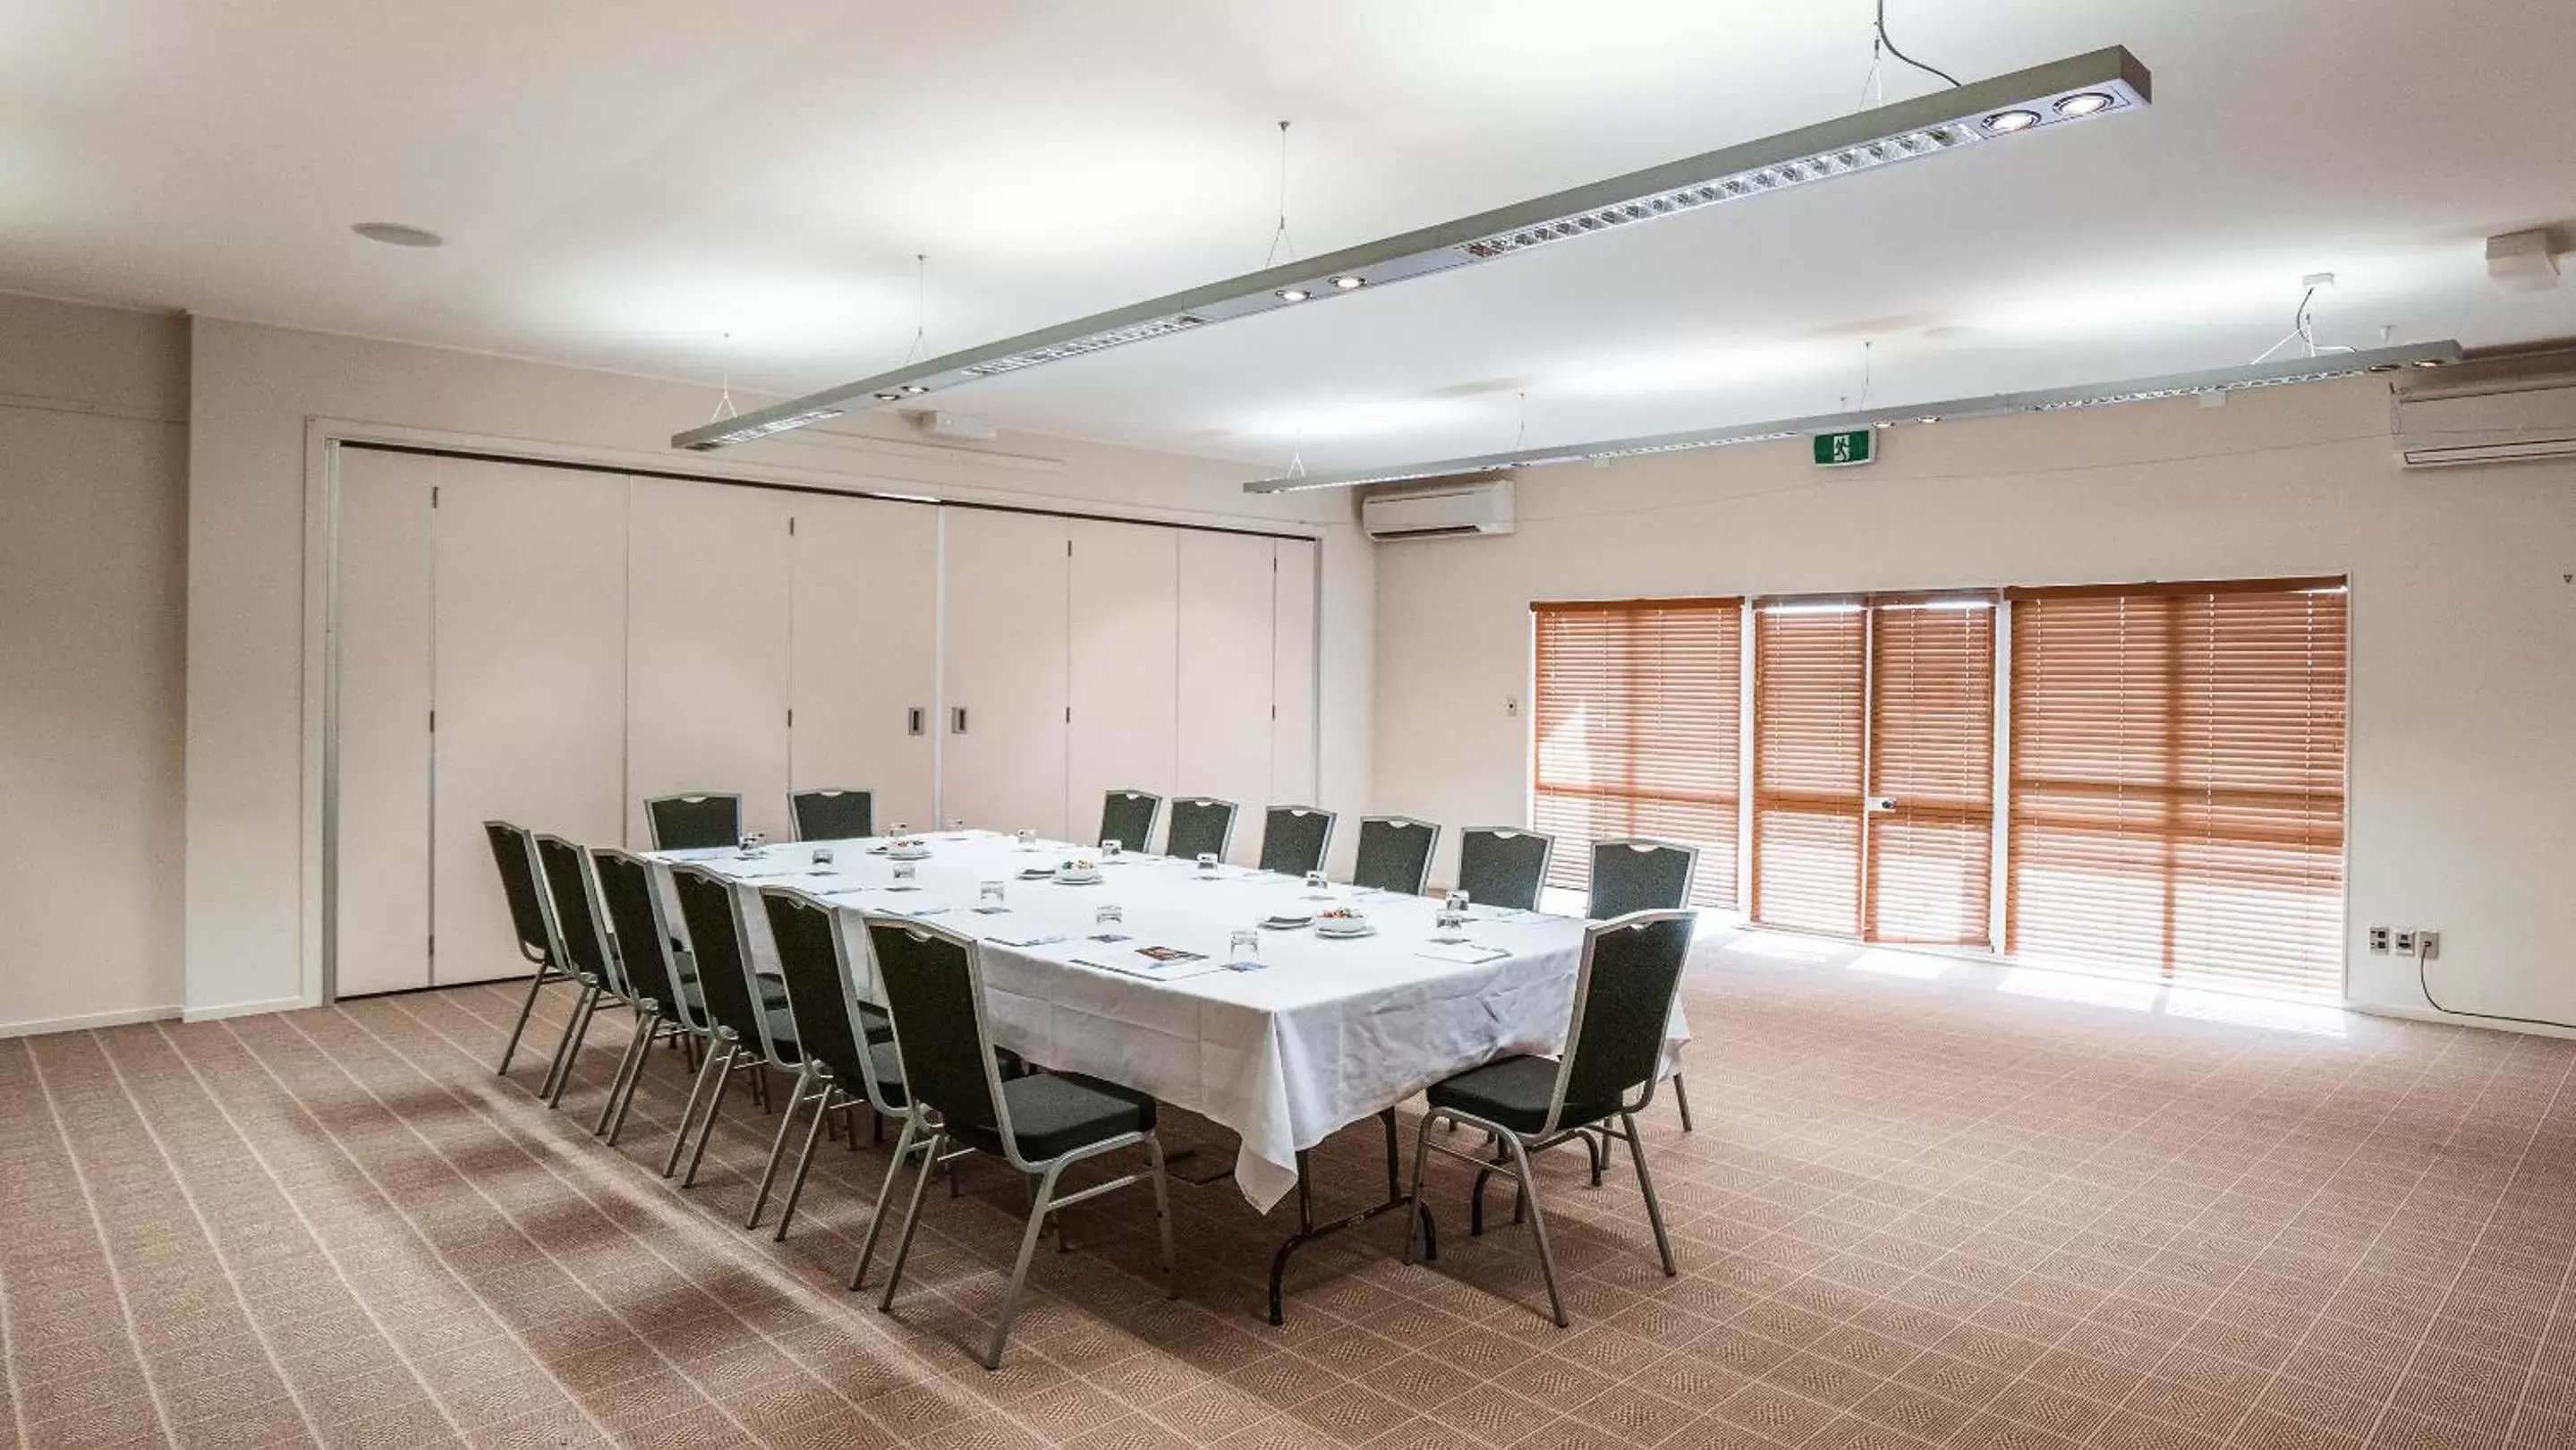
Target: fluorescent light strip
[2132, 390]
[2102, 83]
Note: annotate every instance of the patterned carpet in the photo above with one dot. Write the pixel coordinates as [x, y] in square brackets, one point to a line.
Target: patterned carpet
[1916, 1212]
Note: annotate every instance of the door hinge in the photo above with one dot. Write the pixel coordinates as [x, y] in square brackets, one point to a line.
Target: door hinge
[433, 948]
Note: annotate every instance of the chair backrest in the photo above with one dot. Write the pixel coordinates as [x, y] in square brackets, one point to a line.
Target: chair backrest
[1623, 999]
[811, 958]
[694, 822]
[715, 941]
[634, 910]
[1503, 866]
[1395, 854]
[1640, 875]
[934, 991]
[514, 850]
[1294, 838]
[577, 921]
[833, 814]
[1127, 817]
[1199, 826]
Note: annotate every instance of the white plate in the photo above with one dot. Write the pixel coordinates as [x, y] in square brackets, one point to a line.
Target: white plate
[918, 853]
[1077, 879]
[1364, 929]
[1288, 923]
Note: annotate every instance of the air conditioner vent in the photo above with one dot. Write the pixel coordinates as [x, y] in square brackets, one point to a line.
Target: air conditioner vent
[1443, 511]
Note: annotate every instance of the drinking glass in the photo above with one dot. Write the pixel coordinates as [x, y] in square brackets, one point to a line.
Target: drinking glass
[1207, 865]
[1451, 926]
[1319, 887]
[903, 878]
[1110, 914]
[1110, 847]
[1457, 902]
[752, 842]
[1243, 950]
[898, 831]
[822, 855]
[957, 825]
[988, 897]
[1028, 839]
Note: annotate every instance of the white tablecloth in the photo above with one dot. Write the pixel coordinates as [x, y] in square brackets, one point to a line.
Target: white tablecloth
[1327, 1033]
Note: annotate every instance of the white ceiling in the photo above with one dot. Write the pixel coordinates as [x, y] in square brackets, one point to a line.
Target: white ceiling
[624, 182]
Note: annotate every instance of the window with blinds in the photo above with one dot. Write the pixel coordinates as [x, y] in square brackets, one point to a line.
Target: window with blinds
[1638, 713]
[1930, 858]
[1810, 722]
[2177, 780]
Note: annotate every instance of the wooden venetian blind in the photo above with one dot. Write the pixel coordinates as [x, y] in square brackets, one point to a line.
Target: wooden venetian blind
[1932, 757]
[1638, 711]
[2177, 780]
[1810, 689]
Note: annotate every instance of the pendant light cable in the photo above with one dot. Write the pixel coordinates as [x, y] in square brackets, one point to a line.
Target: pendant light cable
[1884, 40]
[1280, 238]
[920, 308]
[724, 397]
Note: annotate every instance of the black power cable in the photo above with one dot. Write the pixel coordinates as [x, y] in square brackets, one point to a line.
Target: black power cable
[1901, 55]
[2424, 984]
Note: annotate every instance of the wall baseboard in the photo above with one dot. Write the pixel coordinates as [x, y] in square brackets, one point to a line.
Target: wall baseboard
[244, 1009]
[2451, 1019]
[84, 1021]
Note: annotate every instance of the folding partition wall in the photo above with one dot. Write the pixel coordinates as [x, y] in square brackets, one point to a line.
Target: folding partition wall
[552, 645]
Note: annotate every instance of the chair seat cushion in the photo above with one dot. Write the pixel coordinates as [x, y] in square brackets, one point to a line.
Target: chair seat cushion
[1513, 1092]
[889, 1073]
[773, 990]
[1053, 1113]
[782, 1031]
[875, 1025]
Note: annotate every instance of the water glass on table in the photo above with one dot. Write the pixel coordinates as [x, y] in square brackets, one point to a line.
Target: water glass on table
[1111, 848]
[1319, 887]
[1243, 951]
[1027, 838]
[989, 897]
[1207, 865]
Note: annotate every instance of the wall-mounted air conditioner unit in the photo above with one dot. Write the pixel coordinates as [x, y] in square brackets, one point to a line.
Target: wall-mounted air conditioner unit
[2509, 411]
[1446, 510]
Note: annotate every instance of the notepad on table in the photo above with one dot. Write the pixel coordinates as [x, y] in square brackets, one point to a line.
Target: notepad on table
[1464, 953]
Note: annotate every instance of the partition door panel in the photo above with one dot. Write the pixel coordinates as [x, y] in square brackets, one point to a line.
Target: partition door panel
[380, 939]
[1003, 670]
[706, 691]
[864, 652]
[1292, 690]
[1810, 742]
[1226, 640]
[1122, 666]
[529, 681]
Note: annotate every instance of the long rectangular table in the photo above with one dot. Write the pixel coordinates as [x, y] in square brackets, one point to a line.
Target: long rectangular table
[1327, 1033]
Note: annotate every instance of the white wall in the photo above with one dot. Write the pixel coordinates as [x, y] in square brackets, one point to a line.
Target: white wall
[93, 529]
[253, 669]
[2462, 791]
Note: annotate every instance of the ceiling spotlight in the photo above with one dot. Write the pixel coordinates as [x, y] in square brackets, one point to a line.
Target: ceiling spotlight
[2004, 123]
[1885, 423]
[395, 234]
[1293, 294]
[2430, 362]
[1932, 418]
[915, 388]
[888, 397]
[1349, 283]
[2084, 103]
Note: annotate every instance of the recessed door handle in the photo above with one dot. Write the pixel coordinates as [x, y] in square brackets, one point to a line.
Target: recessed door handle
[916, 721]
[957, 721]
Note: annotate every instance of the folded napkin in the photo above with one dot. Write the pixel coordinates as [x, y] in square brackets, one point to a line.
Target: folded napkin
[1464, 953]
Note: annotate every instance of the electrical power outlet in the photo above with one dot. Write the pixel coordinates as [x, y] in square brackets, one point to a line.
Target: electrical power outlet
[2406, 941]
[2428, 943]
[2379, 940]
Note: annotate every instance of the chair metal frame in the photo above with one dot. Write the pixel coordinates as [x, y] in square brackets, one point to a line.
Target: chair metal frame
[796, 814]
[1172, 815]
[1690, 878]
[1516, 1147]
[817, 1084]
[1045, 1202]
[1153, 813]
[1422, 879]
[653, 822]
[683, 1019]
[1546, 856]
[608, 982]
[728, 1054]
[548, 954]
[1323, 847]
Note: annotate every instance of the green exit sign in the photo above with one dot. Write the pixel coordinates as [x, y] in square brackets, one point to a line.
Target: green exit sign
[1846, 449]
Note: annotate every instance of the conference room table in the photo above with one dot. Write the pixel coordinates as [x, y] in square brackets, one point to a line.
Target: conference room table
[1324, 1033]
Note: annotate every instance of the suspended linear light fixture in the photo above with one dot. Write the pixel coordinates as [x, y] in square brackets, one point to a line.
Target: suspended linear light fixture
[2102, 83]
[2325, 368]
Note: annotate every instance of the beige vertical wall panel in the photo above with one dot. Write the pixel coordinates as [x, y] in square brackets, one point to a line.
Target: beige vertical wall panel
[706, 648]
[864, 641]
[1122, 678]
[382, 791]
[93, 561]
[530, 684]
[1292, 665]
[1004, 663]
[1226, 675]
